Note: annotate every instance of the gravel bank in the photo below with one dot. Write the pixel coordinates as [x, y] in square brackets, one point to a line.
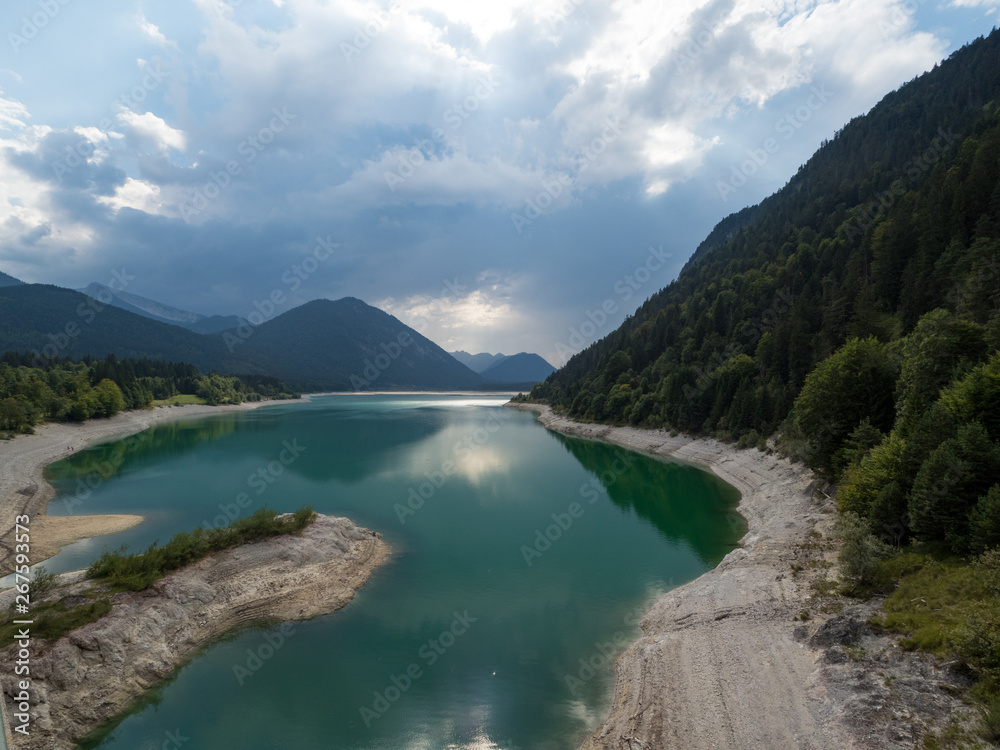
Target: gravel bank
[748, 655]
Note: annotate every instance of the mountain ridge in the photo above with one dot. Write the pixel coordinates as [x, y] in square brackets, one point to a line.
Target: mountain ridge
[322, 345]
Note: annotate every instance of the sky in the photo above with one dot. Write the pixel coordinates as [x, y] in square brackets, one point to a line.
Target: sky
[512, 175]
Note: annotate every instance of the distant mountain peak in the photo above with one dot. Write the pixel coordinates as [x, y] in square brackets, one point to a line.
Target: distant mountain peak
[521, 368]
[141, 305]
[478, 362]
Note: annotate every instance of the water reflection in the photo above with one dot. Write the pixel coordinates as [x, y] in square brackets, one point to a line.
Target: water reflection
[661, 492]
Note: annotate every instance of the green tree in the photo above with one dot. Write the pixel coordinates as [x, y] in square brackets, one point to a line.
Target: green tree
[985, 521]
[948, 485]
[939, 346]
[864, 481]
[109, 398]
[977, 396]
[853, 384]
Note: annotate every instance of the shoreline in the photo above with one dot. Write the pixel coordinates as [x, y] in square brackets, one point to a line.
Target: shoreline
[749, 655]
[717, 664]
[24, 491]
[93, 675]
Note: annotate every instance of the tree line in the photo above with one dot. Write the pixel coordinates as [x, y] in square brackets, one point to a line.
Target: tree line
[35, 390]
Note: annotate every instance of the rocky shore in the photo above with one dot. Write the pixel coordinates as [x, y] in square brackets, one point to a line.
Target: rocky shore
[88, 677]
[758, 653]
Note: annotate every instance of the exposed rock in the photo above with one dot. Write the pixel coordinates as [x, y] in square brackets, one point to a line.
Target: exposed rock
[840, 631]
[91, 675]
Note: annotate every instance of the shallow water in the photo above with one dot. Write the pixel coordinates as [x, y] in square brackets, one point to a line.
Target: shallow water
[523, 561]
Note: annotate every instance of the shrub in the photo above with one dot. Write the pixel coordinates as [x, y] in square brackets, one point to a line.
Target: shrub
[860, 553]
[125, 572]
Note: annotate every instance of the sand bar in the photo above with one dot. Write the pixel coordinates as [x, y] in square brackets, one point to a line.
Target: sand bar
[24, 491]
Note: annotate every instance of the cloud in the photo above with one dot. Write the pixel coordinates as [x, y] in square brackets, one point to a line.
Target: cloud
[151, 131]
[418, 130]
[459, 315]
[408, 176]
[137, 195]
[13, 114]
[153, 32]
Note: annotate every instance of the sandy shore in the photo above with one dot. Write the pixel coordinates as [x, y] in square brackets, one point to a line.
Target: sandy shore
[24, 491]
[748, 656]
[93, 674]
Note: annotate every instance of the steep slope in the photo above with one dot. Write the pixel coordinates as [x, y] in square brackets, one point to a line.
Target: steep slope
[154, 310]
[519, 368]
[348, 345]
[478, 362]
[898, 215]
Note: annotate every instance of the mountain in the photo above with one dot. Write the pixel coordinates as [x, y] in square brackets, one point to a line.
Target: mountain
[348, 345]
[62, 322]
[854, 316]
[322, 345]
[519, 368]
[478, 362]
[896, 216]
[6, 280]
[154, 310]
[141, 305]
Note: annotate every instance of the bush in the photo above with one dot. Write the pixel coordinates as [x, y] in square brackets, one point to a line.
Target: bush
[988, 566]
[41, 581]
[978, 643]
[748, 440]
[984, 524]
[860, 553]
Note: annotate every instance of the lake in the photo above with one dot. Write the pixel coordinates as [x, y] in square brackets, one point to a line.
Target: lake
[523, 561]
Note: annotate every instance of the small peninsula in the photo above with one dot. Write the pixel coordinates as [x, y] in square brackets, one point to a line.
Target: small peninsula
[86, 678]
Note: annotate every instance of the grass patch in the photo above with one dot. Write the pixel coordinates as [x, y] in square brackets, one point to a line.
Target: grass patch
[119, 571]
[932, 601]
[952, 737]
[950, 608]
[52, 620]
[136, 572]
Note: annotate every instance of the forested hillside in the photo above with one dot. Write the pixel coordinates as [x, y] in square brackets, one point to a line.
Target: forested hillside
[855, 316]
[897, 216]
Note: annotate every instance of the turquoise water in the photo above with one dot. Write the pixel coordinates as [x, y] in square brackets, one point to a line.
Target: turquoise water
[522, 563]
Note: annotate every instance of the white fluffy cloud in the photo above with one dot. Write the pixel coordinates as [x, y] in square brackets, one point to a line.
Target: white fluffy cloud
[678, 74]
[521, 93]
[152, 131]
